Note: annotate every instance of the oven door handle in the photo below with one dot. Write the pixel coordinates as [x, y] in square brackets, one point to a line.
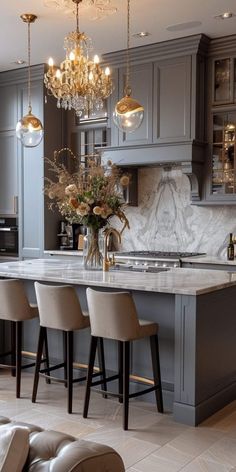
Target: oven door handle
[8, 228]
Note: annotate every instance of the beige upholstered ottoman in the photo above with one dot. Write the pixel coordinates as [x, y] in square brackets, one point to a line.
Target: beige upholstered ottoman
[29, 448]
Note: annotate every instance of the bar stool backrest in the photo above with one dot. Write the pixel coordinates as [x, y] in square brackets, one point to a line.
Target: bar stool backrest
[59, 307]
[112, 315]
[14, 305]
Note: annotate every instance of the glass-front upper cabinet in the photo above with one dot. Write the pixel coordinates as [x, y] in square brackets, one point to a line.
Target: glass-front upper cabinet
[223, 154]
[224, 81]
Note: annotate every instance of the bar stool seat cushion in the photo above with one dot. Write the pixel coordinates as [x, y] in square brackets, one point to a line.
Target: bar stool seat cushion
[59, 308]
[117, 317]
[14, 305]
[59, 452]
[32, 312]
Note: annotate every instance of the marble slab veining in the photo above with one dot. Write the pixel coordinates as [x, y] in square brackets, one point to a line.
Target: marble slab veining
[165, 219]
[175, 281]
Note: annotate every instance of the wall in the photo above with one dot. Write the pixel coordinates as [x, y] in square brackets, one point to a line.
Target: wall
[165, 219]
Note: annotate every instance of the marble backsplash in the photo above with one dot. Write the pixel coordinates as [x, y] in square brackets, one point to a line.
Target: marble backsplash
[165, 219]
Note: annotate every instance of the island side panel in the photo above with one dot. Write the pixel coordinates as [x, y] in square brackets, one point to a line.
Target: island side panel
[160, 308]
[205, 354]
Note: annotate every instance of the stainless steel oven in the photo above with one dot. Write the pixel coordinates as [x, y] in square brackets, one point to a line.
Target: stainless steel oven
[8, 237]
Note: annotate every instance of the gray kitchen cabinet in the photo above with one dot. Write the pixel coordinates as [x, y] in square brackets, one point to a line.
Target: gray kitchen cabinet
[220, 167]
[8, 151]
[164, 89]
[23, 169]
[31, 200]
[172, 100]
[223, 80]
[8, 115]
[141, 81]
[8, 174]
[169, 79]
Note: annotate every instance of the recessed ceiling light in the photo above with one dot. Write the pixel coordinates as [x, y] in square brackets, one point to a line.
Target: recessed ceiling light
[19, 62]
[141, 34]
[225, 16]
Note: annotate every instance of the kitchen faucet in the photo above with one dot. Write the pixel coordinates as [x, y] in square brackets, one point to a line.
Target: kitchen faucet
[106, 262]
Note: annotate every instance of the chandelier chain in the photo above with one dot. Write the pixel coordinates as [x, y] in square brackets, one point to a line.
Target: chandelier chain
[77, 17]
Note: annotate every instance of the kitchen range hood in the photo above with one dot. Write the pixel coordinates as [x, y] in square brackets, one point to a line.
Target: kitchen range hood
[188, 156]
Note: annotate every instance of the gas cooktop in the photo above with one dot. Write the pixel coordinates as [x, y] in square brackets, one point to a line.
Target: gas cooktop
[152, 260]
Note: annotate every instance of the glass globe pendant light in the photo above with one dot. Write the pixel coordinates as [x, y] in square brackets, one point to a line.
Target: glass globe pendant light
[128, 113]
[29, 129]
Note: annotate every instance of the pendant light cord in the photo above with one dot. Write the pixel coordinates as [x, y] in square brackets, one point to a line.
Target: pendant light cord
[29, 72]
[127, 83]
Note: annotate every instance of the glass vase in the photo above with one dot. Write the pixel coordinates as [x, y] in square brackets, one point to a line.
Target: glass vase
[93, 248]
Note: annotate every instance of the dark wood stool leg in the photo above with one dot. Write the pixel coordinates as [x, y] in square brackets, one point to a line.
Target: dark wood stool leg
[92, 354]
[101, 363]
[64, 334]
[42, 334]
[120, 369]
[18, 326]
[46, 354]
[156, 371]
[69, 361]
[13, 348]
[126, 367]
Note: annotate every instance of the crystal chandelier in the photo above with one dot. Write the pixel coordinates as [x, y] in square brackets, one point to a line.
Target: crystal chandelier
[128, 113]
[99, 8]
[29, 129]
[80, 82]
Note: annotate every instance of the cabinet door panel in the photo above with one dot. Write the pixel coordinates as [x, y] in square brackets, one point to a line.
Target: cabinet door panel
[8, 173]
[31, 192]
[8, 115]
[172, 87]
[141, 84]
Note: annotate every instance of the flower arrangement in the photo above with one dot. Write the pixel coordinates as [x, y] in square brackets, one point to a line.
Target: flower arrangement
[91, 195]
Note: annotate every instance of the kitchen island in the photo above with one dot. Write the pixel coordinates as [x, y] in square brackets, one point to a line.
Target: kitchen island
[195, 312]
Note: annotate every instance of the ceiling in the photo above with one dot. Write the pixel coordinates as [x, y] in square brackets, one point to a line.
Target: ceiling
[108, 34]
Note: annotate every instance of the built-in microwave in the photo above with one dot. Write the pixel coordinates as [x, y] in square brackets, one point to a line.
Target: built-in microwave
[8, 237]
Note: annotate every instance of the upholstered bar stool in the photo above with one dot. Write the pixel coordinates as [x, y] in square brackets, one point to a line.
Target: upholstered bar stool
[59, 309]
[114, 316]
[14, 307]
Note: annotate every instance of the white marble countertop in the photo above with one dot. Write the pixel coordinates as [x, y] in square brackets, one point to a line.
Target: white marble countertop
[209, 260]
[175, 281]
[68, 252]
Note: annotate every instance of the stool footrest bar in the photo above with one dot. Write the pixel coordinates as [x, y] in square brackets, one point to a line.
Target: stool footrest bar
[142, 392]
[54, 367]
[108, 379]
[106, 392]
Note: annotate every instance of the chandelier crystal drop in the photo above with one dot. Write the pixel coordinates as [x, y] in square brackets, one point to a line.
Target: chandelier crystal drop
[29, 129]
[128, 113]
[80, 82]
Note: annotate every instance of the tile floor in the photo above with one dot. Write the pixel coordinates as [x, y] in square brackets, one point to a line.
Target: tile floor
[154, 442]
